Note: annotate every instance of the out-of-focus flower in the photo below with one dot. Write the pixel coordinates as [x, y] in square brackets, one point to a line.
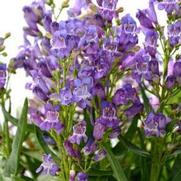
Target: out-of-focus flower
[48, 167]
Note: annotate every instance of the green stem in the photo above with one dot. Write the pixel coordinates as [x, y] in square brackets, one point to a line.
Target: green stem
[155, 163]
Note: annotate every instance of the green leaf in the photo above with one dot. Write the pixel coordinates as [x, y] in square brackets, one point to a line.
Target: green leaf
[12, 164]
[14, 121]
[95, 172]
[44, 145]
[10, 118]
[177, 176]
[133, 147]
[147, 105]
[115, 164]
[132, 128]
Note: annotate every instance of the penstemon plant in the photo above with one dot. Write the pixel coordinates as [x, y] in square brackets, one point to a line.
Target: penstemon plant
[103, 106]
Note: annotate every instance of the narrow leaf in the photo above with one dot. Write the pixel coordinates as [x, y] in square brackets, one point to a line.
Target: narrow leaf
[177, 176]
[14, 121]
[11, 166]
[115, 164]
[145, 100]
[95, 172]
[133, 147]
[44, 145]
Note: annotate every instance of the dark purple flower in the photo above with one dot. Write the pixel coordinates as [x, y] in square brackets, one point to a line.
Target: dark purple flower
[82, 176]
[90, 147]
[98, 90]
[155, 124]
[170, 82]
[108, 117]
[99, 155]
[177, 71]
[153, 67]
[39, 93]
[99, 130]
[78, 133]
[71, 151]
[145, 19]
[135, 109]
[2, 75]
[48, 166]
[125, 95]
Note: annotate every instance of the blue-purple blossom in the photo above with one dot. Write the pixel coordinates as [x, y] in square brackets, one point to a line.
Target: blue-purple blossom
[66, 96]
[174, 33]
[128, 24]
[71, 151]
[170, 82]
[78, 133]
[52, 121]
[100, 155]
[82, 176]
[177, 71]
[155, 124]
[90, 147]
[169, 5]
[48, 167]
[2, 75]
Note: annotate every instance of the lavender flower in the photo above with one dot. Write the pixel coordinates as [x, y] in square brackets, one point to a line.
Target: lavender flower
[2, 75]
[169, 5]
[155, 124]
[174, 33]
[78, 133]
[48, 166]
[52, 121]
[82, 176]
[100, 155]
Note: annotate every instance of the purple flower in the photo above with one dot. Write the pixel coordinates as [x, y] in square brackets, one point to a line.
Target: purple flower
[98, 90]
[135, 109]
[52, 121]
[174, 33]
[78, 133]
[82, 176]
[100, 155]
[151, 42]
[72, 175]
[2, 75]
[48, 166]
[177, 71]
[77, 6]
[144, 19]
[99, 130]
[39, 93]
[169, 5]
[90, 147]
[81, 92]
[71, 151]
[170, 82]
[128, 24]
[66, 96]
[155, 124]
[108, 9]
[125, 95]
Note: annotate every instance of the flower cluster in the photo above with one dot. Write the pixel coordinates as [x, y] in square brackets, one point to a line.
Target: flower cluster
[76, 66]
